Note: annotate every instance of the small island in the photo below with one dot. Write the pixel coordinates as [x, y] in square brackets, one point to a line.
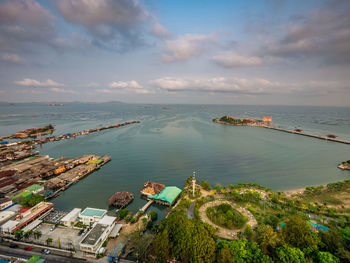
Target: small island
[344, 165]
[266, 121]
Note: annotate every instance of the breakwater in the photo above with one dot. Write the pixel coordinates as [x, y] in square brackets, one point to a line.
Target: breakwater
[268, 126]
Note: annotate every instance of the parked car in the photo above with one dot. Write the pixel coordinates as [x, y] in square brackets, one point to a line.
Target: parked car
[28, 248]
[12, 245]
[46, 251]
[80, 232]
[52, 228]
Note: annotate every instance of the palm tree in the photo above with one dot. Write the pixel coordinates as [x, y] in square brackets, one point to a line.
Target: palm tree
[37, 234]
[27, 234]
[49, 241]
[18, 234]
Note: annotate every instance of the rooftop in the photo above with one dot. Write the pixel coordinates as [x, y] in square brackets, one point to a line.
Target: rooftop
[94, 235]
[71, 214]
[93, 212]
[34, 187]
[169, 194]
[107, 220]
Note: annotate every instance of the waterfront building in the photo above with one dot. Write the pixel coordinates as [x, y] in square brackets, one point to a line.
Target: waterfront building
[91, 215]
[167, 196]
[71, 217]
[94, 239]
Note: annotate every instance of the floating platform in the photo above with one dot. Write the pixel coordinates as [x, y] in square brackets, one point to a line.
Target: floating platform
[121, 199]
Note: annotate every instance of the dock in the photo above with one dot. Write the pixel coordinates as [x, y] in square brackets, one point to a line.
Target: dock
[147, 205]
[306, 134]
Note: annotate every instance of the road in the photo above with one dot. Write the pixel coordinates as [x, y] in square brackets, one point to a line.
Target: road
[21, 253]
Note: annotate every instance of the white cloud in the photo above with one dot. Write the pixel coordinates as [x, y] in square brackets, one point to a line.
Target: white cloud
[159, 31]
[231, 60]
[187, 46]
[35, 83]
[253, 86]
[12, 58]
[125, 87]
[60, 90]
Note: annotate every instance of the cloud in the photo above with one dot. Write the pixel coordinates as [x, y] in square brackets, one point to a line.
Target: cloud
[27, 12]
[12, 58]
[324, 33]
[187, 46]
[232, 60]
[25, 26]
[253, 86]
[60, 90]
[125, 87]
[35, 83]
[159, 31]
[117, 22]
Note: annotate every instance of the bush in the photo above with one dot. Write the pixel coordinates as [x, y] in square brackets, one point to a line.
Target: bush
[154, 215]
[226, 216]
[205, 185]
[123, 213]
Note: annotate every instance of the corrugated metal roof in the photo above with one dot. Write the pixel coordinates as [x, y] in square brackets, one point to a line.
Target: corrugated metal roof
[169, 194]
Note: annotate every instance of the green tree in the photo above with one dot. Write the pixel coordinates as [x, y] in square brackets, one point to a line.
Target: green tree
[37, 234]
[290, 255]
[297, 233]
[266, 238]
[326, 257]
[27, 234]
[154, 215]
[205, 185]
[345, 232]
[140, 243]
[224, 255]
[18, 234]
[248, 232]
[49, 241]
[244, 251]
[184, 239]
[123, 213]
[32, 200]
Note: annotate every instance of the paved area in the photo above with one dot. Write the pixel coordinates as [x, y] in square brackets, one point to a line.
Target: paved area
[20, 253]
[64, 237]
[190, 211]
[221, 231]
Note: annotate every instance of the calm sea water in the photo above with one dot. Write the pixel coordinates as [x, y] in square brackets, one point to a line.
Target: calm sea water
[170, 143]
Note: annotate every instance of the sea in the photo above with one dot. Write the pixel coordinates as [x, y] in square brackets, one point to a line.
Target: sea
[172, 141]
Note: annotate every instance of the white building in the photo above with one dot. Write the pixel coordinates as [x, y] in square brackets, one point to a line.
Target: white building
[97, 235]
[71, 217]
[91, 215]
[9, 226]
[6, 215]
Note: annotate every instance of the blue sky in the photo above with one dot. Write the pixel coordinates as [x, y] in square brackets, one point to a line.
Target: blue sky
[219, 52]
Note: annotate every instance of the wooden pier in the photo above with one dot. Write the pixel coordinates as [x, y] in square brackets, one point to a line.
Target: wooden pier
[306, 134]
[145, 207]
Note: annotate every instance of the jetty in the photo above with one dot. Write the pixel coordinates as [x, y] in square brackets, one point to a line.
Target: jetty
[327, 138]
[266, 122]
[148, 204]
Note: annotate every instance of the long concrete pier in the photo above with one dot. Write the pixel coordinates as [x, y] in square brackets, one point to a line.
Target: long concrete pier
[306, 134]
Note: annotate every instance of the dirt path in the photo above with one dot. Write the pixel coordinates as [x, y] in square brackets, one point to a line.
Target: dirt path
[221, 231]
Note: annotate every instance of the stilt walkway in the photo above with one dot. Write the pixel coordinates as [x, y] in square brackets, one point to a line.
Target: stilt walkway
[145, 207]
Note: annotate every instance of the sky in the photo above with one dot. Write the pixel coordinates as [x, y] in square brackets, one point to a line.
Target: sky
[195, 51]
